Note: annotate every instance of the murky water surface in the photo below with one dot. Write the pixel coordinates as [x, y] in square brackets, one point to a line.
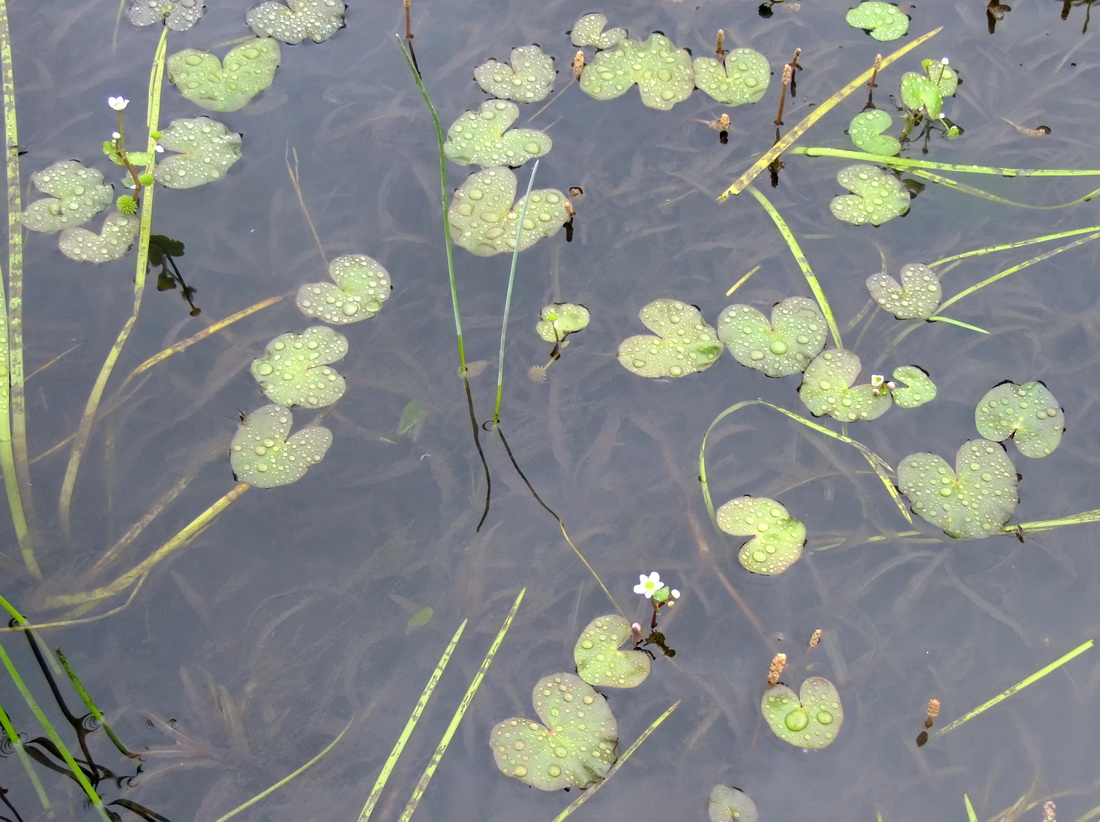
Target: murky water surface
[242, 658]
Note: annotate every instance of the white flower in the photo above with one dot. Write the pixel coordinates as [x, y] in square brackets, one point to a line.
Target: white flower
[115, 135]
[648, 585]
[675, 593]
[118, 103]
[159, 149]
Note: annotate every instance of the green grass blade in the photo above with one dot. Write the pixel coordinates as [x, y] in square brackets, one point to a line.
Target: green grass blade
[84, 430]
[270, 790]
[989, 249]
[93, 709]
[970, 815]
[588, 794]
[1046, 524]
[444, 189]
[800, 258]
[907, 163]
[410, 726]
[986, 195]
[959, 323]
[16, 743]
[460, 712]
[508, 294]
[820, 111]
[1019, 686]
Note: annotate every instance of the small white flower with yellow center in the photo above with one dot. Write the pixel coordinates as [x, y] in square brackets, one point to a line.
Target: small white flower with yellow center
[648, 585]
[118, 103]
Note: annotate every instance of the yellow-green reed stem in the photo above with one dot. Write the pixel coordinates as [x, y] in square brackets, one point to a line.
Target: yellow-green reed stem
[989, 249]
[84, 430]
[1002, 274]
[270, 790]
[139, 571]
[800, 258]
[1047, 524]
[588, 794]
[820, 111]
[77, 773]
[904, 163]
[410, 726]
[881, 468]
[93, 709]
[460, 712]
[508, 294]
[1019, 686]
[444, 190]
[947, 182]
[971, 816]
[14, 462]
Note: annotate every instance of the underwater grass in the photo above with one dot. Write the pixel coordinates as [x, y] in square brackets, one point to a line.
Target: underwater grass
[84, 430]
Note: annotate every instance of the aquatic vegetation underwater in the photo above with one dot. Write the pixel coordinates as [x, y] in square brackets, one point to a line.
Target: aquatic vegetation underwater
[416, 514]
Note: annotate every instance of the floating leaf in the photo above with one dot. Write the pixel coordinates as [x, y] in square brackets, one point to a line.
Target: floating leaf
[202, 79]
[917, 297]
[827, 389]
[110, 244]
[78, 194]
[883, 20]
[207, 150]
[730, 805]
[559, 320]
[742, 78]
[877, 196]
[316, 19]
[915, 387]
[971, 502]
[420, 618]
[685, 344]
[574, 749]
[1028, 413]
[777, 538]
[412, 415]
[484, 220]
[589, 31]
[177, 15]
[866, 132]
[785, 346]
[919, 93]
[360, 285]
[293, 369]
[530, 77]
[261, 454]
[662, 71]
[481, 137]
[810, 720]
[600, 663]
[940, 73]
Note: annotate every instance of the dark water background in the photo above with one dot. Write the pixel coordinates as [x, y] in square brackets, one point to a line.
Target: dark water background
[287, 618]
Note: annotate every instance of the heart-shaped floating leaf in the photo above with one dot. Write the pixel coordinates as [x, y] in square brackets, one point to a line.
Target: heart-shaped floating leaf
[202, 79]
[110, 244]
[78, 194]
[827, 389]
[600, 662]
[484, 220]
[662, 71]
[574, 749]
[360, 285]
[529, 79]
[207, 150]
[1028, 413]
[940, 73]
[915, 387]
[686, 343]
[177, 15]
[810, 720]
[971, 502]
[482, 137]
[261, 454]
[866, 132]
[919, 93]
[777, 538]
[589, 31]
[916, 298]
[785, 346]
[730, 805]
[743, 78]
[317, 20]
[876, 196]
[294, 370]
[559, 320]
[883, 20]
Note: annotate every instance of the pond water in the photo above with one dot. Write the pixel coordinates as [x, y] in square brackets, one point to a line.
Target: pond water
[243, 656]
